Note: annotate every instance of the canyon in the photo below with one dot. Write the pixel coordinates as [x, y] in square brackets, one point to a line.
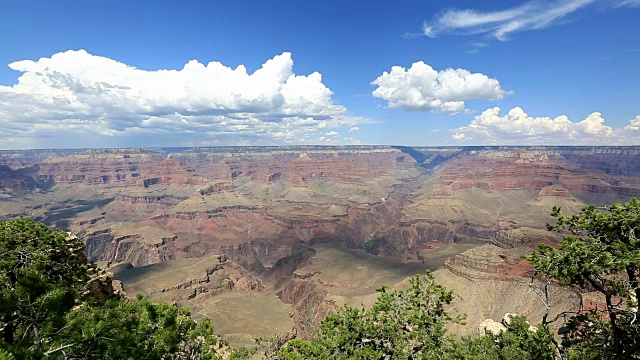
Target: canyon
[269, 240]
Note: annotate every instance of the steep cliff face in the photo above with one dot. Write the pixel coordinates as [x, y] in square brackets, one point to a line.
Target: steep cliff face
[310, 304]
[140, 247]
[16, 180]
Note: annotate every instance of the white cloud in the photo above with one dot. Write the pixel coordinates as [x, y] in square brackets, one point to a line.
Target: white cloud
[532, 15]
[74, 99]
[459, 136]
[421, 88]
[332, 133]
[355, 128]
[518, 128]
[634, 124]
[629, 3]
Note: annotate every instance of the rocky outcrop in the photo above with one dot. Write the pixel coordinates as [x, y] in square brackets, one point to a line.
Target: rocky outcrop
[218, 187]
[489, 262]
[101, 287]
[407, 236]
[310, 304]
[491, 326]
[494, 327]
[91, 221]
[554, 191]
[523, 237]
[138, 249]
[189, 281]
[149, 199]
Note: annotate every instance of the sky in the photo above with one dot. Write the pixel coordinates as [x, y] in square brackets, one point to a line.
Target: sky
[78, 74]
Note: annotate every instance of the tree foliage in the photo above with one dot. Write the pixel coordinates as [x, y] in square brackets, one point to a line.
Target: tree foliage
[601, 253]
[402, 324]
[136, 329]
[519, 341]
[42, 275]
[44, 312]
[411, 324]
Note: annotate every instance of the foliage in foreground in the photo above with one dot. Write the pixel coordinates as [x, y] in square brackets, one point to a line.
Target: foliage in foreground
[601, 253]
[411, 324]
[400, 325]
[44, 312]
[138, 329]
[42, 274]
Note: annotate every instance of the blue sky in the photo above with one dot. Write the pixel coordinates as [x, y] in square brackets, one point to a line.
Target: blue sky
[560, 72]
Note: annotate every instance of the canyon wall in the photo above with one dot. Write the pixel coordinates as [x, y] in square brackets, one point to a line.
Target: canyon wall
[387, 200]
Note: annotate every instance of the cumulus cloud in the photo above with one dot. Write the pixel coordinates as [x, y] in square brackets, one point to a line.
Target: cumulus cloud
[458, 136]
[421, 88]
[332, 133]
[518, 128]
[531, 15]
[634, 124]
[76, 93]
[355, 128]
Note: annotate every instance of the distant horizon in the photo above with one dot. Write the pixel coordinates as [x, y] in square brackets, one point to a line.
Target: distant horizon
[151, 148]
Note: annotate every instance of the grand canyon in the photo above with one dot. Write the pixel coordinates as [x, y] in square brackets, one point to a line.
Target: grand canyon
[267, 240]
